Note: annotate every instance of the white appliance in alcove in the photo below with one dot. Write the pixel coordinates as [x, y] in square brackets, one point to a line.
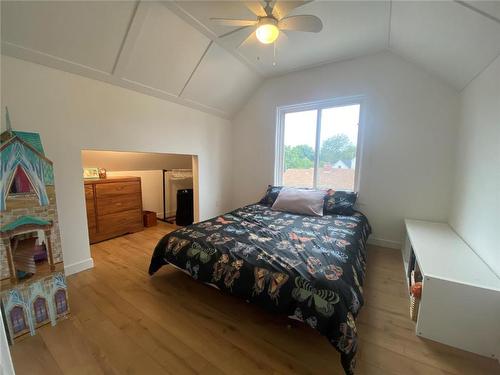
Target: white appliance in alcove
[176, 179]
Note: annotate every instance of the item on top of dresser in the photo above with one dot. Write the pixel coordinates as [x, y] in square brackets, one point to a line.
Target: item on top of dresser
[102, 173]
[91, 172]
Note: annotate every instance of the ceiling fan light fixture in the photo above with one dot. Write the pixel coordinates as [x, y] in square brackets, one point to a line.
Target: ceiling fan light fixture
[267, 31]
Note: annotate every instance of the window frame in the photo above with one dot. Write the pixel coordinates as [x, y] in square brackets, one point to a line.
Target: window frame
[281, 111]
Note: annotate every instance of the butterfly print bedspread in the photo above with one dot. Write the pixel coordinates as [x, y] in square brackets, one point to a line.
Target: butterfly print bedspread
[310, 268]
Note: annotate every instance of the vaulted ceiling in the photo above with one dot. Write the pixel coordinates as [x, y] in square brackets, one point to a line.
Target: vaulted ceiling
[173, 51]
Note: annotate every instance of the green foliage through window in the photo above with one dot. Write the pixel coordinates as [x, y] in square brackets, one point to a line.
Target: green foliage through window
[333, 149]
[338, 147]
[300, 157]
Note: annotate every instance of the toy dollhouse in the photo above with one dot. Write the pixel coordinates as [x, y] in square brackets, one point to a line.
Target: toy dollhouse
[32, 282]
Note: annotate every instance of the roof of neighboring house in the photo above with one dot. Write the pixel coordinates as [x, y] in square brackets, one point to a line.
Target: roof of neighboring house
[334, 178]
[347, 162]
[24, 220]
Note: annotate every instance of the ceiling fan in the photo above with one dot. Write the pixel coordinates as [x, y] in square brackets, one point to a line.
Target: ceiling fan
[271, 20]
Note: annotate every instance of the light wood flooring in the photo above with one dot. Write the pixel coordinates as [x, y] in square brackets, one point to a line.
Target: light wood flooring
[125, 322]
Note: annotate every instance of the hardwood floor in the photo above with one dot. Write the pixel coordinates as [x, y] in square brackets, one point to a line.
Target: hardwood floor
[125, 322]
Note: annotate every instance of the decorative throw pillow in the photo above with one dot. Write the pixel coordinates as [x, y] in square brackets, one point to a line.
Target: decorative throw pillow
[300, 201]
[271, 195]
[340, 202]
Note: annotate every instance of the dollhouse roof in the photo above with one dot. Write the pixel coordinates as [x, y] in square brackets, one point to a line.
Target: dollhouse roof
[33, 139]
[22, 149]
[24, 220]
[30, 140]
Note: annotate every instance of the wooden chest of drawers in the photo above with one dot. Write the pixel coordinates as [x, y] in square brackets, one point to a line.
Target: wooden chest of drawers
[114, 207]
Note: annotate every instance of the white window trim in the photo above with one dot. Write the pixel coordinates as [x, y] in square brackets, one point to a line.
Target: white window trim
[318, 105]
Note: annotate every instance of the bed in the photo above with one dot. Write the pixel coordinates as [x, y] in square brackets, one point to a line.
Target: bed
[309, 268]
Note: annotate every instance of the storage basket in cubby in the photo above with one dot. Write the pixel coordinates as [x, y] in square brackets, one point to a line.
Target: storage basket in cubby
[415, 293]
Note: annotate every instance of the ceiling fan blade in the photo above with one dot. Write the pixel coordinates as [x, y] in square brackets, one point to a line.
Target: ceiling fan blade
[256, 8]
[234, 38]
[282, 8]
[307, 23]
[235, 31]
[233, 22]
[247, 39]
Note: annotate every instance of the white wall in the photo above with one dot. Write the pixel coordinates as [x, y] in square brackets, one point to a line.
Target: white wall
[151, 187]
[406, 169]
[6, 366]
[134, 161]
[475, 211]
[73, 113]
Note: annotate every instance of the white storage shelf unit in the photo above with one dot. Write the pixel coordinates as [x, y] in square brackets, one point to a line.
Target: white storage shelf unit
[460, 303]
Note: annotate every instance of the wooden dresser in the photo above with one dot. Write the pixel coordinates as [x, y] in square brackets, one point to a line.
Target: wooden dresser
[114, 207]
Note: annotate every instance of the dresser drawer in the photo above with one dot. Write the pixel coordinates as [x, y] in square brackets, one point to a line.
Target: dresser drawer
[114, 189]
[91, 214]
[90, 207]
[118, 203]
[91, 224]
[89, 192]
[114, 207]
[120, 221]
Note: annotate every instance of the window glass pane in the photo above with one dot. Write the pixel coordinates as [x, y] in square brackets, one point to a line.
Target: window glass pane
[337, 157]
[299, 146]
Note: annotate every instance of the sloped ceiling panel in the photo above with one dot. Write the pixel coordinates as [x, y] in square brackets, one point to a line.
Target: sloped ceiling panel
[221, 81]
[165, 52]
[491, 8]
[202, 11]
[87, 33]
[445, 37]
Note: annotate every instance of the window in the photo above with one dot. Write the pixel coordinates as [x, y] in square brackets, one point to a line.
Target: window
[317, 145]
[61, 305]
[21, 183]
[40, 307]
[17, 319]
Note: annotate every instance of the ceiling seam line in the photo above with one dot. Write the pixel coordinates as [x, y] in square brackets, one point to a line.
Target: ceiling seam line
[477, 10]
[390, 26]
[124, 41]
[480, 72]
[195, 68]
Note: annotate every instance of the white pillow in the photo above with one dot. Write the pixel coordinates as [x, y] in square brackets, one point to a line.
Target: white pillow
[300, 201]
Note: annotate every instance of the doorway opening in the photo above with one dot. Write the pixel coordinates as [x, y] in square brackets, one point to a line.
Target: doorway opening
[127, 191]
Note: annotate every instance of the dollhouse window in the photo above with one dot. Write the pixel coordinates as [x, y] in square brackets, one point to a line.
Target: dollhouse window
[21, 183]
[17, 319]
[40, 310]
[61, 305]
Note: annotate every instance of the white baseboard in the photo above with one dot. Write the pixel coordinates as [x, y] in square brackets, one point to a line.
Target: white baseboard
[78, 266]
[384, 243]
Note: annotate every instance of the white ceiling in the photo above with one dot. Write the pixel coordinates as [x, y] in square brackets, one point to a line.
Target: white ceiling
[349, 29]
[451, 40]
[164, 52]
[171, 49]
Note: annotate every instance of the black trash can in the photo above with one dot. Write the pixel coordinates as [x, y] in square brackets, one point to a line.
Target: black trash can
[184, 215]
